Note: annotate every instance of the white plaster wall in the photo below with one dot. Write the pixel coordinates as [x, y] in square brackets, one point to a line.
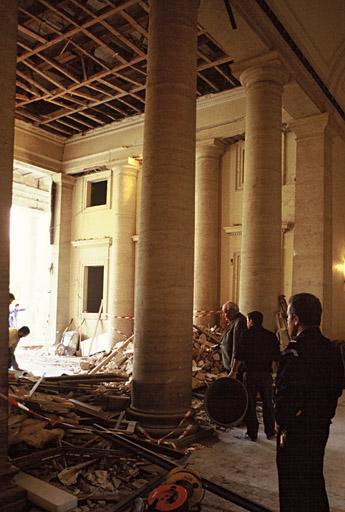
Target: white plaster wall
[93, 232]
[36, 147]
[104, 146]
[91, 225]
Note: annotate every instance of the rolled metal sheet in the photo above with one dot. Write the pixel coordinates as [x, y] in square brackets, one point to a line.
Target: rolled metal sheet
[226, 402]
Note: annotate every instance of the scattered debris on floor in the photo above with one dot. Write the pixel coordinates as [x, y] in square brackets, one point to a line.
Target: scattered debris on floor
[64, 429]
[95, 478]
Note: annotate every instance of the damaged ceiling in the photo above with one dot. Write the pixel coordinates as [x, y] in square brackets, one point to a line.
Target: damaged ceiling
[83, 64]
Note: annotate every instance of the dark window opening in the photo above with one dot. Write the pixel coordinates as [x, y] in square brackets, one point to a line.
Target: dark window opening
[98, 193]
[94, 287]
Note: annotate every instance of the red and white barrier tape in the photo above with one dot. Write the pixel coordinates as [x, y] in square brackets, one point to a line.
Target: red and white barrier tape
[163, 440]
[127, 317]
[203, 312]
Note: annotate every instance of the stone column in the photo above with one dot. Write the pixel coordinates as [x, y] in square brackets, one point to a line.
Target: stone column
[164, 291]
[8, 42]
[10, 496]
[122, 255]
[260, 278]
[61, 256]
[312, 264]
[206, 247]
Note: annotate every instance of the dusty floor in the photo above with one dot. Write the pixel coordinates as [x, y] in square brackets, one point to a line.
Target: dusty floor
[43, 360]
[249, 468]
[244, 467]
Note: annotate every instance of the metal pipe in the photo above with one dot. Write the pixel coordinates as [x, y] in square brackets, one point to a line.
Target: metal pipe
[162, 461]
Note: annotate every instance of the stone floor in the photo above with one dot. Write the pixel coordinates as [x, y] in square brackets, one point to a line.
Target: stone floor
[248, 468]
[43, 360]
[244, 467]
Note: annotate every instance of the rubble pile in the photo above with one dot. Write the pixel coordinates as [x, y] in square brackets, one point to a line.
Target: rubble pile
[207, 363]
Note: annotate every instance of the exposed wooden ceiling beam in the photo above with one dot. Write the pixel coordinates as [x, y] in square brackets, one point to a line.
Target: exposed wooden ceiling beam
[95, 63]
[75, 30]
[111, 29]
[31, 34]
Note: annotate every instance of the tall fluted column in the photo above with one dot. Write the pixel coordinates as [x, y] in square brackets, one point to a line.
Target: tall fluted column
[164, 291]
[122, 255]
[206, 252]
[312, 264]
[260, 277]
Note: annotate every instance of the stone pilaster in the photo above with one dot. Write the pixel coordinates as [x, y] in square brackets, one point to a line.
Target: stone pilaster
[206, 247]
[122, 255]
[61, 256]
[312, 264]
[260, 278]
[164, 291]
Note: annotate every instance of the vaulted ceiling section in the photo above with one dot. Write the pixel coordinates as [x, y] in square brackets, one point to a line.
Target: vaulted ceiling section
[83, 64]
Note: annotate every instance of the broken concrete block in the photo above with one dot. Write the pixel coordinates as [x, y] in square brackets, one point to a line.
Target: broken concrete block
[45, 495]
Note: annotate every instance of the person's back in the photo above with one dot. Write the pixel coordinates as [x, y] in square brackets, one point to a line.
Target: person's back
[312, 364]
[259, 347]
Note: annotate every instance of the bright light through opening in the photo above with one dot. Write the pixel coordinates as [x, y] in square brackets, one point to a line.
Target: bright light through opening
[30, 259]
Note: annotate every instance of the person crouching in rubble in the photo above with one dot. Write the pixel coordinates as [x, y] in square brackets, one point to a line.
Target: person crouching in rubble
[14, 335]
[235, 324]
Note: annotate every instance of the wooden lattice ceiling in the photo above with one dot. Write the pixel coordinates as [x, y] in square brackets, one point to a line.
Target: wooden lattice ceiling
[82, 63]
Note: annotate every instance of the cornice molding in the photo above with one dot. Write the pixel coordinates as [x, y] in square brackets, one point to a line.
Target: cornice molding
[39, 132]
[310, 126]
[35, 170]
[212, 100]
[124, 124]
[207, 101]
[237, 229]
[88, 242]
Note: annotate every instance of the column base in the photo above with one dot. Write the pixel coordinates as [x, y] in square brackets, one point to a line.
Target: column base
[12, 497]
[159, 425]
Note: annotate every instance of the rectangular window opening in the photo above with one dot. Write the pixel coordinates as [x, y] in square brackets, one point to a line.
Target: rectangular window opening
[239, 166]
[97, 193]
[94, 288]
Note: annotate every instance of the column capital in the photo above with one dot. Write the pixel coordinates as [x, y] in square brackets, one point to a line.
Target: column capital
[263, 68]
[210, 147]
[312, 126]
[128, 167]
[65, 180]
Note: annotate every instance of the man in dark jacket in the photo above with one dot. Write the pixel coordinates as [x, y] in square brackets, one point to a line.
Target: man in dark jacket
[257, 349]
[309, 382]
[236, 324]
